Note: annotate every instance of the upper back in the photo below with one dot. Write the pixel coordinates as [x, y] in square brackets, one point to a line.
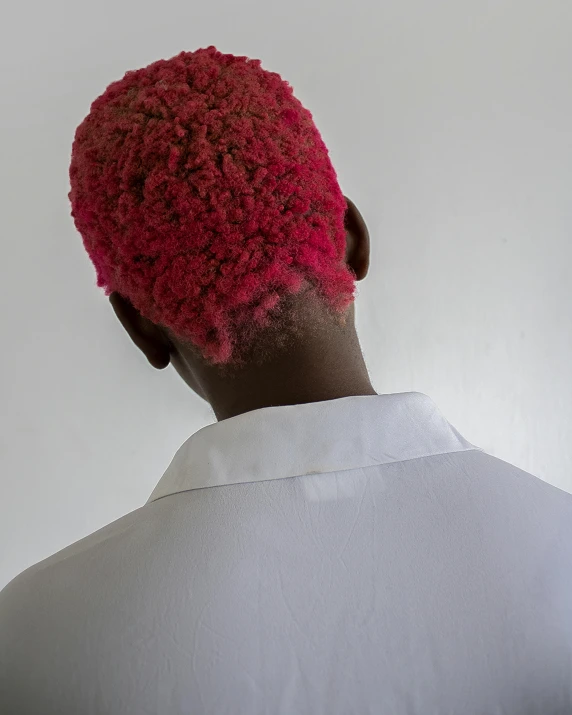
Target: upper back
[438, 584]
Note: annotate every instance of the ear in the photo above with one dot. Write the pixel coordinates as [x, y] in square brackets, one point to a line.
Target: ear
[357, 241]
[148, 337]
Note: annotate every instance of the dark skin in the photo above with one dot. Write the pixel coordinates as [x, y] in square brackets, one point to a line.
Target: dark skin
[324, 362]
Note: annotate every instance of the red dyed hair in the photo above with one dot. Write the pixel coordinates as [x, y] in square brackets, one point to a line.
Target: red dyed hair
[204, 195]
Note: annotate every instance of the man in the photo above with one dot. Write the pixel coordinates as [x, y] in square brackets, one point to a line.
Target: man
[320, 548]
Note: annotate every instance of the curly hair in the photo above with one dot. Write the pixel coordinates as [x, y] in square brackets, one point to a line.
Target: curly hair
[204, 195]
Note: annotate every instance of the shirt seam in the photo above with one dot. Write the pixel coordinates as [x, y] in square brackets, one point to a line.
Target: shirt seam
[307, 474]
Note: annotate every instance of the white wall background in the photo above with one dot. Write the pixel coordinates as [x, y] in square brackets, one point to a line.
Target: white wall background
[450, 125]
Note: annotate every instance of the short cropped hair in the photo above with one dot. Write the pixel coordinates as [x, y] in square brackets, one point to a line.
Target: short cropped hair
[205, 195]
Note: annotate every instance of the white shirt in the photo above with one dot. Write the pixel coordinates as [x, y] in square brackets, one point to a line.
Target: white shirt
[356, 555]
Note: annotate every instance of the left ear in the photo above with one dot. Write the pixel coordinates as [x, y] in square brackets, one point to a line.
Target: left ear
[147, 336]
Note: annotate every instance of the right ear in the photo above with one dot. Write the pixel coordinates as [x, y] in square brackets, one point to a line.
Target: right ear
[147, 336]
[357, 241]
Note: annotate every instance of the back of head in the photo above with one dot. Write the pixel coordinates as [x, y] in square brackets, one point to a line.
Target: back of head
[205, 196]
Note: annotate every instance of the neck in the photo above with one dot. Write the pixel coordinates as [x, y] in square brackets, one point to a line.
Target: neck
[324, 362]
[297, 377]
[295, 394]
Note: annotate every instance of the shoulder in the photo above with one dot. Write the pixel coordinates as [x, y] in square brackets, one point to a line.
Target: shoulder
[36, 588]
[53, 612]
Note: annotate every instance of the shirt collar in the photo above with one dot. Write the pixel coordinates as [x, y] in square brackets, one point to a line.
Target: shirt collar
[310, 438]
